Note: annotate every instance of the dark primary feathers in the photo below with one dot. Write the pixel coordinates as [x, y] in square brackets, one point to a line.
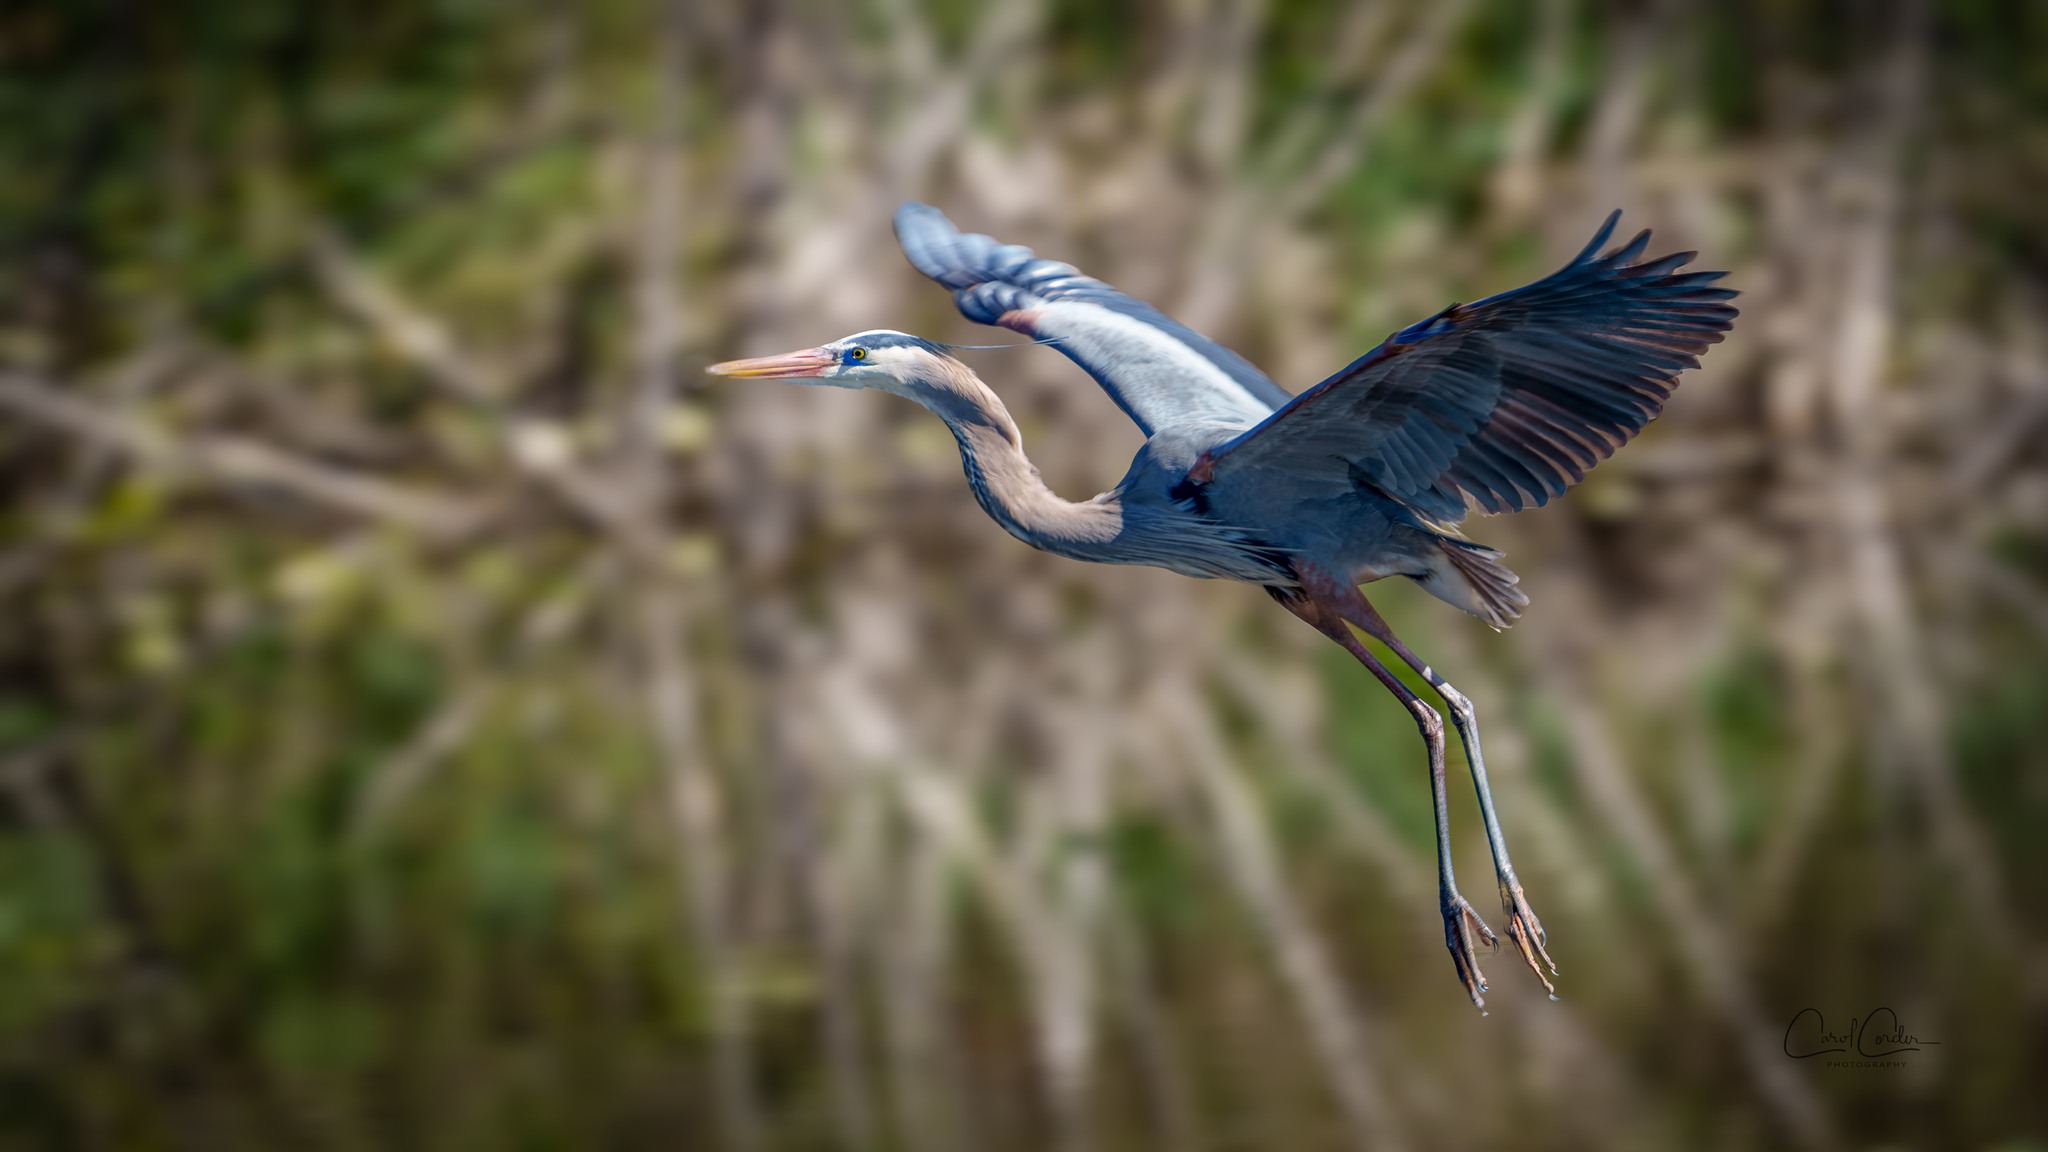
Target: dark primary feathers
[1157, 370]
[1504, 403]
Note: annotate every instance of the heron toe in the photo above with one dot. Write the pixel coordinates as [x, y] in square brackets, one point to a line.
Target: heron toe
[1460, 921]
[1527, 931]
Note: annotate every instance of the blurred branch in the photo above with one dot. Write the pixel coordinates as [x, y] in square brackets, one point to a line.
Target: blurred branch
[1304, 757]
[411, 333]
[400, 775]
[538, 448]
[697, 808]
[1159, 1053]
[1287, 184]
[237, 461]
[1224, 105]
[1999, 445]
[1417, 58]
[1698, 940]
[1332, 1018]
[1060, 840]
[89, 468]
[1791, 838]
[926, 1066]
[1907, 709]
[942, 105]
[1619, 114]
[1517, 180]
[1997, 579]
[25, 781]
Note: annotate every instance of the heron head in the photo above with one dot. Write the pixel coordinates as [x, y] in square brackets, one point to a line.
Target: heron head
[878, 359]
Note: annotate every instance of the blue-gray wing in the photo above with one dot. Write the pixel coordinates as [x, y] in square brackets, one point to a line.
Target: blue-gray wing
[1504, 403]
[1157, 370]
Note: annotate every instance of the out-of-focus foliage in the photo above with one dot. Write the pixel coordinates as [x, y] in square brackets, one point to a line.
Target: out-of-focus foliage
[435, 715]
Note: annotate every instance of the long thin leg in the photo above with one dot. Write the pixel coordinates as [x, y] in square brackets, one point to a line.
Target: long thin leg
[1523, 926]
[1461, 923]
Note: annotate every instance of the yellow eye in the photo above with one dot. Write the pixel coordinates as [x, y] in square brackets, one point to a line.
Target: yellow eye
[857, 354]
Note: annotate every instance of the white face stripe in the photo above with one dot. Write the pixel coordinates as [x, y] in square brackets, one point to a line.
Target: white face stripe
[897, 359]
[1161, 378]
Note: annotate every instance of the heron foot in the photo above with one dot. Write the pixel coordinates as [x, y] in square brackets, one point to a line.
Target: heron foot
[1526, 931]
[1461, 924]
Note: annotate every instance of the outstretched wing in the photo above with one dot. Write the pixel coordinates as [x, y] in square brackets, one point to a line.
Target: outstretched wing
[1157, 370]
[1505, 403]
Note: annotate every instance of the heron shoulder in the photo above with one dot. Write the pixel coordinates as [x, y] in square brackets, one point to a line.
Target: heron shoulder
[1176, 448]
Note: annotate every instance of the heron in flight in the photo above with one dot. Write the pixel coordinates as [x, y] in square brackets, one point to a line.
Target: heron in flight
[1493, 406]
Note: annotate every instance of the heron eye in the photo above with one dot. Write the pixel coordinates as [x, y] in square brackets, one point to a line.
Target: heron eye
[856, 354]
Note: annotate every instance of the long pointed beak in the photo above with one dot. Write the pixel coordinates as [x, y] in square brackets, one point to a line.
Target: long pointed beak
[789, 365]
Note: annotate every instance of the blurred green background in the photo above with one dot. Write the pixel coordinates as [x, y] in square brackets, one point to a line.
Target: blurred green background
[435, 715]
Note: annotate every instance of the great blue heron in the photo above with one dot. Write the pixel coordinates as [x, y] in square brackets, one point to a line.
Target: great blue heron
[1497, 406]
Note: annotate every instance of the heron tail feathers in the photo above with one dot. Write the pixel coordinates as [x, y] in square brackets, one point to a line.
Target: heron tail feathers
[1471, 576]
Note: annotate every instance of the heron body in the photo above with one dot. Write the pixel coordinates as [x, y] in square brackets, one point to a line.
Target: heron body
[1493, 406]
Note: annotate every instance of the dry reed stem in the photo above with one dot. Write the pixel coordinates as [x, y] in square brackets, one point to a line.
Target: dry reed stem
[1329, 1015]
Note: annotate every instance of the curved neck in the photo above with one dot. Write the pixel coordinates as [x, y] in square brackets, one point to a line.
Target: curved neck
[1004, 480]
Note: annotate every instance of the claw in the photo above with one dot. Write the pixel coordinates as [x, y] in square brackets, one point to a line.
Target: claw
[1527, 931]
[1459, 921]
